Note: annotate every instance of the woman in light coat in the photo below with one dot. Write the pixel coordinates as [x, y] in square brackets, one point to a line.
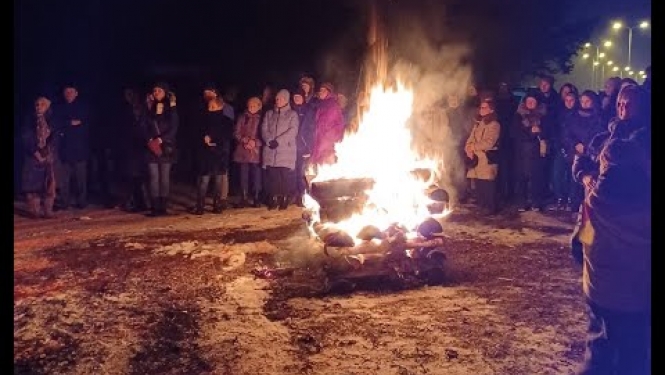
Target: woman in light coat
[279, 130]
[482, 145]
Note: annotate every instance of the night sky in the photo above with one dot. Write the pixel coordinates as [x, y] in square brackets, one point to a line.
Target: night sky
[102, 44]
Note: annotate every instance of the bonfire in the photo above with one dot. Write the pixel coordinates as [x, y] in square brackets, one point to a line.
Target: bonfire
[373, 204]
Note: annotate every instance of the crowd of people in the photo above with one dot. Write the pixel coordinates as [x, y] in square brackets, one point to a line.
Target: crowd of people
[574, 150]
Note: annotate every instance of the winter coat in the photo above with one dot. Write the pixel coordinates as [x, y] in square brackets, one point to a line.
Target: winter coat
[484, 137]
[35, 174]
[617, 249]
[248, 126]
[219, 127]
[74, 144]
[164, 126]
[280, 125]
[525, 142]
[307, 127]
[579, 127]
[329, 130]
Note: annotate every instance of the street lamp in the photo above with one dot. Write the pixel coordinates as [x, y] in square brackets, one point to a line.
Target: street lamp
[596, 61]
[642, 25]
[641, 72]
[609, 63]
[626, 68]
[615, 69]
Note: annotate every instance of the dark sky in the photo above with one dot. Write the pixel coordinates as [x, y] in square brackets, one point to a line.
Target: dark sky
[96, 43]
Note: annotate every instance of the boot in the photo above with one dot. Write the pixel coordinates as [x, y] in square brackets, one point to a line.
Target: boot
[200, 204]
[48, 207]
[244, 201]
[154, 207]
[256, 201]
[163, 203]
[33, 205]
[218, 205]
[283, 202]
[273, 203]
[298, 200]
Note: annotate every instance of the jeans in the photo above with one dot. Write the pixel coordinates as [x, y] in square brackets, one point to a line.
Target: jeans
[561, 177]
[78, 170]
[618, 343]
[250, 171]
[159, 179]
[220, 186]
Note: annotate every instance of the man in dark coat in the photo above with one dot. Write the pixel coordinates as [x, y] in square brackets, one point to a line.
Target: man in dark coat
[73, 128]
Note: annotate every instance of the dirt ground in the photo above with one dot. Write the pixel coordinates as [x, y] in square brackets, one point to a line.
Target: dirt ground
[106, 292]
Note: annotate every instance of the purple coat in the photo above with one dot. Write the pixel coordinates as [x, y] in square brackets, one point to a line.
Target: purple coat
[329, 130]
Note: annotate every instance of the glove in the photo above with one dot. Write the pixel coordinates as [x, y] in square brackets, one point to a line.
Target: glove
[273, 144]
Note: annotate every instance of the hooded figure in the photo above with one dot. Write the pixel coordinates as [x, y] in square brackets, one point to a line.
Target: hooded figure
[279, 131]
[329, 126]
[530, 132]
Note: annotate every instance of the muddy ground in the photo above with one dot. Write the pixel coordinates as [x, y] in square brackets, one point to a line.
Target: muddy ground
[106, 292]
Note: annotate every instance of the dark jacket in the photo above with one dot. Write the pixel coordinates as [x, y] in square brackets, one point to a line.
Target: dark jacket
[164, 126]
[74, 142]
[307, 126]
[580, 127]
[526, 143]
[219, 127]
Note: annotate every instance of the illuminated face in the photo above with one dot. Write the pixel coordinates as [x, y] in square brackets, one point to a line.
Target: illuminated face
[41, 106]
[545, 86]
[323, 93]
[298, 99]
[306, 87]
[280, 101]
[267, 93]
[569, 101]
[253, 106]
[70, 94]
[209, 95]
[485, 109]
[531, 103]
[342, 101]
[471, 91]
[158, 93]
[586, 102]
[626, 107]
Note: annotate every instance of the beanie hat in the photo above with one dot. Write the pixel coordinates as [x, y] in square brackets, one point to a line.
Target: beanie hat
[162, 85]
[308, 80]
[284, 94]
[329, 86]
[211, 87]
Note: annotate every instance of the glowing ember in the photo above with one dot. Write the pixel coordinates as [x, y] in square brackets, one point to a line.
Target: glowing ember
[381, 150]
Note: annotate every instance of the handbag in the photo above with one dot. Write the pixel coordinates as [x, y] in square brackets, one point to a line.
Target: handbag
[155, 146]
[492, 156]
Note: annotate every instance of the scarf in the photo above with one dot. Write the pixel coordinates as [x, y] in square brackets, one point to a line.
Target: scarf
[43, 132]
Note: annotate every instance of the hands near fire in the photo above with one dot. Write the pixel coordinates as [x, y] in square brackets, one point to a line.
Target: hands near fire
[208, 141]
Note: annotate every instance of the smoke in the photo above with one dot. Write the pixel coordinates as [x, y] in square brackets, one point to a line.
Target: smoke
[434, 61]
[301, 251]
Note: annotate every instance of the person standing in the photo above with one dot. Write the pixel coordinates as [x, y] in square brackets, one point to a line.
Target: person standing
[483, 145]
[215, 143]
[329, 126]
[306, 116]
[160, 128]
[72, 118]
[279, 130]
[38, 177]
[248, 152]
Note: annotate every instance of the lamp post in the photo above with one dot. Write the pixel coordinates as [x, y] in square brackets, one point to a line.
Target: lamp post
[642, 25]
[596, 62]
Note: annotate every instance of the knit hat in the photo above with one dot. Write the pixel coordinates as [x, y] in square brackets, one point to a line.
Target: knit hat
[328, 86]
[211, 87]
[308, 80]
[284, 94]
[531, 94]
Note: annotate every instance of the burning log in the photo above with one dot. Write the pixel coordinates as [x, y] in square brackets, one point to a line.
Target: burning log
[370, 232]
[339, 199]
